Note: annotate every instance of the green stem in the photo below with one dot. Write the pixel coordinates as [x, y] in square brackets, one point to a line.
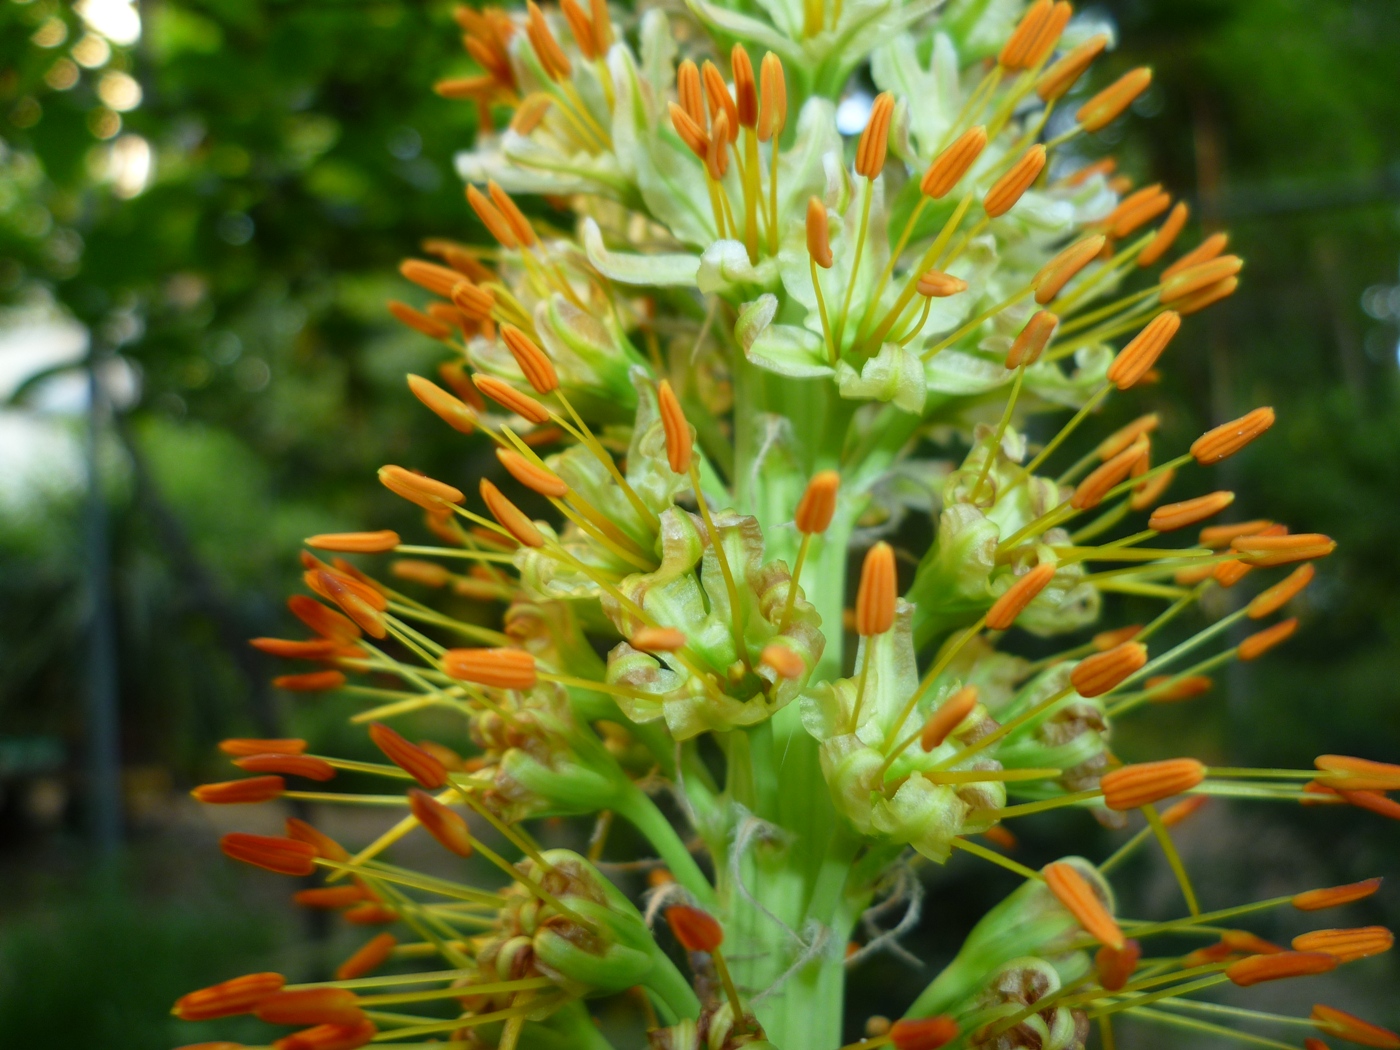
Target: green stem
[642, 813]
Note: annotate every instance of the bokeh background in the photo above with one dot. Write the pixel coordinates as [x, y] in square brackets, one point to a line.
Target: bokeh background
[202, 203]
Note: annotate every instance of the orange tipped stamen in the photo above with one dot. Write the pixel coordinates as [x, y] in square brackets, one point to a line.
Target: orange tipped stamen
[1090, 492]
[873, 146]
[451, 410]
[310, 1006]
[878, 592]
[442, 823]
[519, 225]
[1032, 340]
[1189, 512]
[721, 103]
[1166, 235]
[1097, 674]
[1353, 1029]
[953, 163]
[440, 280]
[1080, 900]
[1218, 536]
[1228, 438]
[312, 682]
[498, 668]
[429, 574]
[1136, 210]
[356, 542]
[1198, 301]
[283, 856]
[1106, 640]
[319, 841]
[240, 792]
[1358, 774]
[1063, 75]
[1108, 104]
[772, 109]
[1130, 787]
[511, 518]
[1268, 602]
[476, 303]
[948, 717]
[1060, 270]
[679, 439]
[312, 649]
[783, 661]
[371, 956]
[1190, 686]
[658, 640]
[1260, 550]
[924, 1033]
[1014, 599]
[307, 766]
[1336, 896]
[533, 361]
[1184, 283]
[1260, 968]
[496, 224]
[251, 746]
[1015, 51]
[532, 475]
[1184, 810]
[934, 284]
[745, 87]
[1048, 35]
[505, 395]
[419, 321]
[1207, 250]
[696, 930]
[1122, 438]
[1115, 966]
[412, 759]
[330, 897]
[419, 488]
[1138, 356]
[690, 92]
[1256, 645]
[818, 233]
[1347, 945]
[326, 622]
[362, 604]
[228, 998]
[556, 64]
[1007, 190]
[818, 503]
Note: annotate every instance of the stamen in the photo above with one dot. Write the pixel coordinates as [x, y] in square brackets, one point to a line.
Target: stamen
[228, 998]
[249, 746]
[1189, 512]
[948, 717]
[953, 163]
[1048, 35]
[307, 766]
[772, 110]
[926, 1033]
[420, 764]
[1256, 645]
[1259, 968]
[1141, 352]
[1060, 270]
[325, 846]
[1032, 340]
[511, 517]
[658, 640]
[313, 682]
[1261, 550]
[441, 823]
[419, 321]
[745, 89]
[1359, 774]
[1228, 438]
[1219, 536]
[1106, 106]
[551, 55]
[873, 146]
[1008, 189]
[877, 593]
[1166, 235]
[1353, 1029]
[1133, 786]
[1020, 594]
[330, 897]
[1198, 301]
[781, 659]
[533, 361]
[532, 475]
[1184, 810]
[280, 855]
[1182, 284]
[1060, 77]
[508, 397]
[1091, 491]
[1014, 52]
[491, 217]
[1150, 491]
[434, 278]
[370, 957]
[1207, 250]
[938, 285]
[500, 668]
[250, 790]
[357, 542]
[459, 416]
[1346, 945]
[1137, 210]
[419, 488]
[679, 439]
[1335, 896]
[1280, 594]
[1080, 900]
[1169, 689]
[310, 1006]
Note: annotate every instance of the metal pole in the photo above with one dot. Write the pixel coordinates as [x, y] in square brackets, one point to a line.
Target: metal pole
[104, 741]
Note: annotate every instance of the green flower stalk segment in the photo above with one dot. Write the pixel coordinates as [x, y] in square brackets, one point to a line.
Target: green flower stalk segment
[727, 357]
